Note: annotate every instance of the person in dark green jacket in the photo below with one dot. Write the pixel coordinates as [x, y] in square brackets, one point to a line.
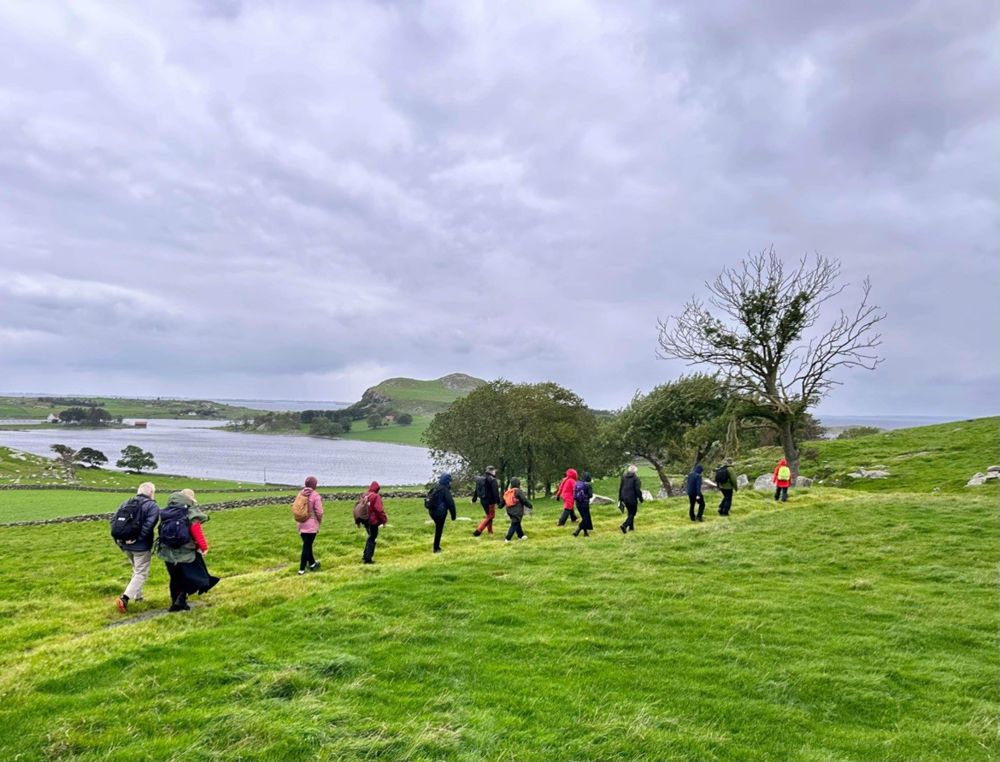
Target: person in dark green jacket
[182, 546]
[515, 502]
[726, 483]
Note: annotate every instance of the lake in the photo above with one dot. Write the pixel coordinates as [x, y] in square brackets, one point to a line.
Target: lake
[198, 448]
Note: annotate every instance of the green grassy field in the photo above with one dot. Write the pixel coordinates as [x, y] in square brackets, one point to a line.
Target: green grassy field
[410, 395]
[124, 407]
[843, 625]
[392, 434]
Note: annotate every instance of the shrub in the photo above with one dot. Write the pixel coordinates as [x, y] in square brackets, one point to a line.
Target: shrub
[853, 432]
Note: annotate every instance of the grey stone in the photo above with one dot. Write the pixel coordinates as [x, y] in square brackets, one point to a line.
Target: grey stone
[863, 473]
[763, 483]
[742, 481]
[647, 495]
[993, 470]
[978, 479]
[661, 494]
[601, 500]
[803, 481]
[991, 475]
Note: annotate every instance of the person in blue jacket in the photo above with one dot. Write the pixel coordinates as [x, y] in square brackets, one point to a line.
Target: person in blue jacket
[693, 488]
[439, 503]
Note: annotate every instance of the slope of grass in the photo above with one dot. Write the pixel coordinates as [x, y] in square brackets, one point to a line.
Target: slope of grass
[837, 627]
[124, 407]
[393, 433]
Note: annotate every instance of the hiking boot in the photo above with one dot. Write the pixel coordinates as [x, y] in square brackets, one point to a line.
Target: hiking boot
[314, 566]
[577, 532]
[476, 533]
[367, 561]
[122, 603]
[701, 518]
[523, 537]
[437, 550]
[624, 530]
[301, 572]
[506, 539]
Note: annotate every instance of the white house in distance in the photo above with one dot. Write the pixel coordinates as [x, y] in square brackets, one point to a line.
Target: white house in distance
[52, 418]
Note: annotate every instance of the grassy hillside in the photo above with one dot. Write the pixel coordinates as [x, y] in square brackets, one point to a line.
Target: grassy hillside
[843, 625]
[393, 433]
[409, 395]
[40, 407]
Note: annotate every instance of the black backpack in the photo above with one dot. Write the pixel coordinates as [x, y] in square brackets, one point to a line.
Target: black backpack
[430, 502]
[175, 529]
[721, 475]
[480, 493]
[126, 525]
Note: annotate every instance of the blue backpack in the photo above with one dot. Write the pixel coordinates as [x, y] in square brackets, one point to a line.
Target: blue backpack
[580, 492]
[175, 529]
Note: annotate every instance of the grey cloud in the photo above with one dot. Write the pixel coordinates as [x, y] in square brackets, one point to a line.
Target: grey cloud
[298, 199]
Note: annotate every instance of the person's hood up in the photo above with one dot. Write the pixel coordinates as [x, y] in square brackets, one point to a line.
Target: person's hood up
[515, 482]
[699, 468]
[571, 473]
[782, 462]
[587, 477]
[374, 487]
[180, 499]
[444, 480]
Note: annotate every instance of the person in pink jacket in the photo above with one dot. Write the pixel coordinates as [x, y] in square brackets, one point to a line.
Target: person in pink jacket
[564, 492]
[309, 528]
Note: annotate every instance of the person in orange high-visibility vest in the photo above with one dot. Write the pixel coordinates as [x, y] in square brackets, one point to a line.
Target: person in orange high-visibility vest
[782, 478]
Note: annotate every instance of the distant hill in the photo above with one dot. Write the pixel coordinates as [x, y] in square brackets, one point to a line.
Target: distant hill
[416, 397]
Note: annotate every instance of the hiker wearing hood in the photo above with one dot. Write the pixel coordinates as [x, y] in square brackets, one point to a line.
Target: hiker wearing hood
[439, 503]
[376, 519]
[629, 497]
[727, 486]
[781, 479]
[516, 502]
[564, 492]
[692, 486]
[182, 546]
[583, 491]
[309, 528]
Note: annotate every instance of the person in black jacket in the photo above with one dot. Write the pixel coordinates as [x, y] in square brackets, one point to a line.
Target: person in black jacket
[139, 551]
[629, 497]
[490, 498]
[439, 504]
[692, 486]
[583, 492]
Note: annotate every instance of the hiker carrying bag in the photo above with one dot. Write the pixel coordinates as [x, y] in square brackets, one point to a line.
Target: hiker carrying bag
[300, 508]
[126, 526]
[721, 475]
[175, 529]
[361, 510]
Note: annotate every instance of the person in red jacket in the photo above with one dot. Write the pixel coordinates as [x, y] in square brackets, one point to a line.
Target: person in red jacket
[781, 478]
[564, 492]
[376, 519]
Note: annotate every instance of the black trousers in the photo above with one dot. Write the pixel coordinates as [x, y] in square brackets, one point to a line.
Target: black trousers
[727, 501]
[438, 529]
[190, 578]
[629, 524]
[700, 500]
[307, 550]
[567, 513]
[515, 527]
[586, 523]
[781, 492]
[369, 553]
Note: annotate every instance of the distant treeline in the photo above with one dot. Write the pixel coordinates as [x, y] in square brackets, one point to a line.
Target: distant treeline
[326, 423]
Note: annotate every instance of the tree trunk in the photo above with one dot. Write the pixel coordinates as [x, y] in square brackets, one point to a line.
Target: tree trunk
[786, 432]
[664, 479]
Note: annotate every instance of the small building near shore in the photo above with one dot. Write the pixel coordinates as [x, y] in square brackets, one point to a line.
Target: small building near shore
[140, 424]
[52, 418]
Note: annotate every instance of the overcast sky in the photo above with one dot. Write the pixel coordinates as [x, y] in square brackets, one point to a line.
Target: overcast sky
[299, 199]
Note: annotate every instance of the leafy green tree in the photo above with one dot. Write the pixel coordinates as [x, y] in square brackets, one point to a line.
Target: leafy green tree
[404, 419]
[673, 423]
[73, 415]
[136, 460]
[757, 329]
[89, 457]
[375, 420]
[534, 430]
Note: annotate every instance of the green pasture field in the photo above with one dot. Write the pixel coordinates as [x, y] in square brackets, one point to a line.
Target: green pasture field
[393, 433]
[124, 407]
[839, 626]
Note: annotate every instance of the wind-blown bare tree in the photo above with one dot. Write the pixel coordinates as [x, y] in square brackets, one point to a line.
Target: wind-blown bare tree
[756, 328]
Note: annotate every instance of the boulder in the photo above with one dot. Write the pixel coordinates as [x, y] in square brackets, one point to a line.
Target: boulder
[863, 473]
[991, 475]
[803, 481]
[977, 480]
[742, 481]
[662, 494]
[647, 495]
[601, 500]
[763, 483]
[993, 470]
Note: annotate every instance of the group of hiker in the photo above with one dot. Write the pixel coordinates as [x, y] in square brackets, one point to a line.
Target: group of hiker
[181, 544]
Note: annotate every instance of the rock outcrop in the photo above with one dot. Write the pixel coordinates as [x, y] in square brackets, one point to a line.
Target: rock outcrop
[742, 481]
